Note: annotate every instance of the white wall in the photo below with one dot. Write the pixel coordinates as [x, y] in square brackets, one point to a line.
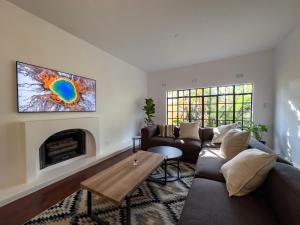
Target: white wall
[256, 68]
[121, 87]
[287, 109]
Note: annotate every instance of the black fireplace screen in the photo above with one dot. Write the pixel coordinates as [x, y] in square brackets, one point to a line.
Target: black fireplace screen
[62, 146]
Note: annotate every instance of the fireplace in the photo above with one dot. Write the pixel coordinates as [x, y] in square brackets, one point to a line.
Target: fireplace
[62, 146]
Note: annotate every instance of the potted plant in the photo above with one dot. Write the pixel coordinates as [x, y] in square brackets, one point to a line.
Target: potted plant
[257, 130]
[149, 109]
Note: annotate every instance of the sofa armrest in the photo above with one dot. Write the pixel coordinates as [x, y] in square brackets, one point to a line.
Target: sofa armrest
[253, 143]
[149, 132]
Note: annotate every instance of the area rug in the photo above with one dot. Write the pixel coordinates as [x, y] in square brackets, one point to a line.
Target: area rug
[151, 204]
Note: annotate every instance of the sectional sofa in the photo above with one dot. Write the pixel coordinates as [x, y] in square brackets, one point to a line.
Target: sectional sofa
[277, 201]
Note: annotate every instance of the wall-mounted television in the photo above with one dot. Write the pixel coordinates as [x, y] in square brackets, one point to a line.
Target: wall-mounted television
[46, 90]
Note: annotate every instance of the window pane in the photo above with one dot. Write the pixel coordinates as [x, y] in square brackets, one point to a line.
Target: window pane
[199, 92]
[193, 92]
[193, 100]
[221, 107]
[247, 107]
[239, 89]
[229, 115]
[214, 91]
[222, 90]
[229, 99]
[247, 98]
[186, 93]
[206, 91]
[221, 99]
[229, 107]
[248, 88]
[180, 93]
[174, 93]
[213, 107]
[229, 90]
[169, 94]
[239, 98]
[199, 100]
[186, 101]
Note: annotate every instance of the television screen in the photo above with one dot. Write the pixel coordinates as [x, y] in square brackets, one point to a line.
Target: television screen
[45, 90]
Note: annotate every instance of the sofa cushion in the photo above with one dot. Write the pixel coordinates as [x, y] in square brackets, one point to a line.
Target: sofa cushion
[208, 203]
[190, 148]
[209, 144]
[209, 164]
[247, 171]
[166, 131]
[189, 130]
[234, 142]
[206, 133]
[282, 188]
[219, 132]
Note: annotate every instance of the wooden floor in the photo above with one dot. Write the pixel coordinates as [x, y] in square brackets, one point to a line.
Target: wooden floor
[21, 210]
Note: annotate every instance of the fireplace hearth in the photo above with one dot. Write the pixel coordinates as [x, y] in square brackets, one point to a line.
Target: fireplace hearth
[62, 146]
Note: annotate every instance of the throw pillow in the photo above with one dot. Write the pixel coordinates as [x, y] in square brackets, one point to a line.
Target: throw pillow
[189, 130]
[166, 131]
[234, 142]
[247, 171]
[219, 132]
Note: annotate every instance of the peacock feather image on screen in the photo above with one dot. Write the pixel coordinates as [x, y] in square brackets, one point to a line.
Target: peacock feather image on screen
[45, 90]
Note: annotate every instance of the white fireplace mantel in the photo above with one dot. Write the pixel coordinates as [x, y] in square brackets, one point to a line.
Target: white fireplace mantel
[36, 132]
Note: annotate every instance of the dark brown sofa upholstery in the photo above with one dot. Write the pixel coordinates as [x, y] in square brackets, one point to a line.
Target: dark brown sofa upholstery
[276, 202]
[190, 147]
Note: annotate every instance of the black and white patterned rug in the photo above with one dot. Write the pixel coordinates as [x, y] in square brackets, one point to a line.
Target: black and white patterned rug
[151, 204]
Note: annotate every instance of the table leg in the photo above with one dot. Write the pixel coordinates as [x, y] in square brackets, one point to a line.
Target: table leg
[128, 219]
[89, 203]
[90, 212]
[133, 143]
[178, 168]
[165, 171]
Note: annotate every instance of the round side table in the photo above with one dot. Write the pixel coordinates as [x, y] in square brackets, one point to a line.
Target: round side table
[171, 154]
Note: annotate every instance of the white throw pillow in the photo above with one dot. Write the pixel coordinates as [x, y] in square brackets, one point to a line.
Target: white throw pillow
[189, 130]
[219, 132]
[247, 171]
[234, 142]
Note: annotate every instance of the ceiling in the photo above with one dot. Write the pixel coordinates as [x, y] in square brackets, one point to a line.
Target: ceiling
[160, 34]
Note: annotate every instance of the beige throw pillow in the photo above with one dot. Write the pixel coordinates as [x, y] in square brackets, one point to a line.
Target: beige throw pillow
[247, 171]
[189, 130]
[234, 142]
[166, 131]
[219, 132]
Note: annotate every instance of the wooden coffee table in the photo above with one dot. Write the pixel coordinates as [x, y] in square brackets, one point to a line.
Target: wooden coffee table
[117, 182]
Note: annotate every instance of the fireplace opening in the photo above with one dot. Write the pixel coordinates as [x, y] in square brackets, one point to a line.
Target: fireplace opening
[62, 146]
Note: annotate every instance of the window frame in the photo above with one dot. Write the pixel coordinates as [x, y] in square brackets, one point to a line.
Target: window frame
[204, 101]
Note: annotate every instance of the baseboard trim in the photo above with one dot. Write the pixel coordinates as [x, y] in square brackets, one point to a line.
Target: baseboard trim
[31, 189]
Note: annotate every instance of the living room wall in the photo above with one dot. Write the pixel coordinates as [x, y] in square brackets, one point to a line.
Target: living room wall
[121, 87]
[256, 68]
[287, 108]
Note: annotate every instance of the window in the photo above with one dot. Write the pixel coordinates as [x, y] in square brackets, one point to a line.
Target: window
[213, 106]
